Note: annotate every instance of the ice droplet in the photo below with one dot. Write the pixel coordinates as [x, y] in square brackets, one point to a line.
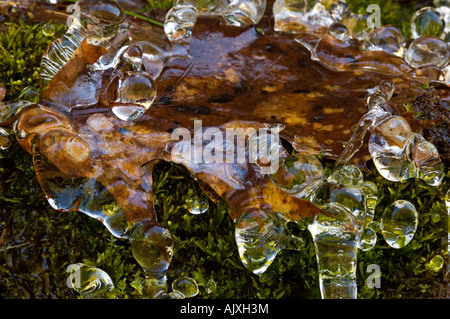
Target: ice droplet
[100, 19]
[48, 30]
[425, 51]
[259, 237]
[197, 206]
[347, 175]
[287, 11]
[399, 223]
[297, 171]
[339, 10]
[186, 285]
[427, 22]
[368, 236]
[351, 198]
[371, 192]
[90, 282]
[151, 245]
[243, 13]
[136, 93]
[388, 39]
[436, 263]
[339, 32]
[212, 7]
[211, 286]
[179, 23]
[427, 159]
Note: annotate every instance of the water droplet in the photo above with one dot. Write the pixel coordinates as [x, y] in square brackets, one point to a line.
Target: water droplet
[357, 25]
[350, 197]
[348, 175]
[197, 205]
[371, 192]
[259, 237]
[151, 245]
[90, 282]
[339, 32]
[339, 11]
[436, 263]
[436, 217]
[175, 295]
[368, 236]
[136, 93]
[100, 19]
[389, 145]
[425, 51]
[297, 171]
[211, 286]
[427, 159]
[186, 285]
[399, 223]
[243, 13]
[388, 39]
[287, 12]
[48, 30]
[179, 23]
[427, 22]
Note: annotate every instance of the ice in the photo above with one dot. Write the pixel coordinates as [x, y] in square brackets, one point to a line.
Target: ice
[349, 175]
[100, 19]
[179, 23]
[298, 171]
[197, 205]
[339, 32]
[135, 94]
[339, 11]
[427, 22]
[368, 236]
[426, 158]
[90, 282]
[286, 11]
[213, 7]
[388, 39]
[259, 237]
[426, 50]
[336, 241]
[48, 30]
[243, 13]
[185, 285]
[371, 192]
[436, 263]
[5, 142]
[399, 223]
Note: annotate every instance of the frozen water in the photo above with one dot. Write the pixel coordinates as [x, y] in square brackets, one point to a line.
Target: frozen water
[179, 23]
[90, 282]
[388, 39]
[243, 13]
[185, 285]
[197, 205]
[427, 22]
[426, 51]
[368, 236]
[399, 223]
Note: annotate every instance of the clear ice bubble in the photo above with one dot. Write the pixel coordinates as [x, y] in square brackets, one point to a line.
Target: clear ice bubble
[339, 10]
[151, 245]
[259, 237]
[179, 22]
[297, 171]
[368, 236]
[100, 19]
[339, 32]
[211, 286]
[425, 51]
[135, 94]
[319, 16]
[436, 263]
[357, 25]
[371, 191]
[90, 282]
[427, 22]
[352, 198]
[388, 148]
[197, 205]
[426, 158]
[48, 30]
[243, 13]
[288, 11]
[444, 10]
[186, 285]
[174, 295]
[5, 142]
[398, 223]
[266, 150]
[388, 39]
[212, 7]
[347, 175]
[336, 242]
